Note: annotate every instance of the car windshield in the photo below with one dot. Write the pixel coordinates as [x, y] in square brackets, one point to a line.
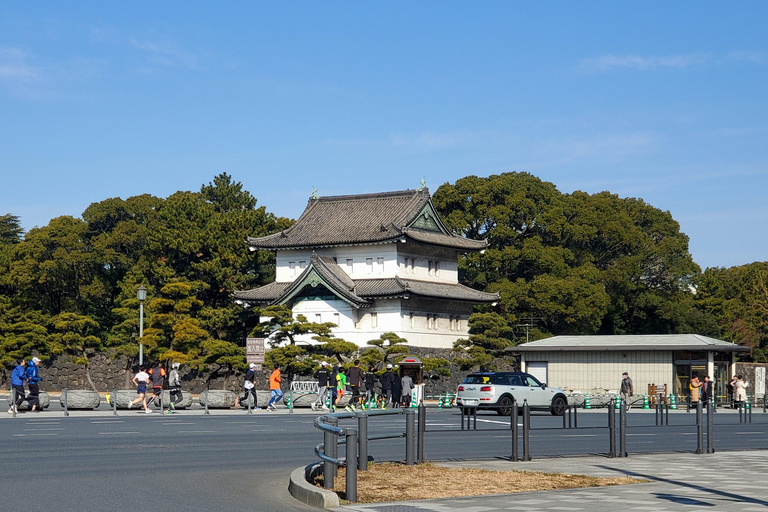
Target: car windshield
[531, 381]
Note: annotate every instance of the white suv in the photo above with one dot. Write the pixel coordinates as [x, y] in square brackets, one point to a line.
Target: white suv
[498, 390]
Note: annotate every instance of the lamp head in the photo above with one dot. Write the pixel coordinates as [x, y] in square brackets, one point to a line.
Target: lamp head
[141, 293]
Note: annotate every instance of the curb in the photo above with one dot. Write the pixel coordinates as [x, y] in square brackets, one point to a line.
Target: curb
[310, 494]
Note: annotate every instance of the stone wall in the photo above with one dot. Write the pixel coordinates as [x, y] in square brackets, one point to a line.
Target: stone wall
[107, 373]
[747, 370]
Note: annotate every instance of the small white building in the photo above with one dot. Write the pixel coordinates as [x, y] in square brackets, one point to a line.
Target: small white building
[587, 363]
[371, 264]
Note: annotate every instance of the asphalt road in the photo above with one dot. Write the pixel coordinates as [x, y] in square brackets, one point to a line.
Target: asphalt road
[233, 461]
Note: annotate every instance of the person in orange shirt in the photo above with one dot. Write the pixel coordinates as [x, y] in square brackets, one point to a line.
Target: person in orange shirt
[275, 393]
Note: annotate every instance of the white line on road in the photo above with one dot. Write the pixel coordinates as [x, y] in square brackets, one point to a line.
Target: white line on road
[33, 434]
[30, 429]
[115, 433]
[580, 435]
[748, 433]
[107, 422]
[196, 431]
[178, 423]
[642, 434]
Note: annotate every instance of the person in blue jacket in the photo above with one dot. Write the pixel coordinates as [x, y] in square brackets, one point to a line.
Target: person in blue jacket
[33, 383]
[17, 383]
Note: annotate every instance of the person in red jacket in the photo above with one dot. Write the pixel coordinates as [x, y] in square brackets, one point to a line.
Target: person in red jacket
[275, 393]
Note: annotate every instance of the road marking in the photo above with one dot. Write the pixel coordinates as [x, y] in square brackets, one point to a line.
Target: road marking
[178, 423]
[748, 433]
[115, 433]
[581, 435]
[642, 434]
[108, 422]
[19, 435]
[43, 429]
[196, 431]
[495, 421]
[33, 434]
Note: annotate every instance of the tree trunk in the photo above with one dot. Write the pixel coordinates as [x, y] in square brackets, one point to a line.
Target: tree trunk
[88, 374]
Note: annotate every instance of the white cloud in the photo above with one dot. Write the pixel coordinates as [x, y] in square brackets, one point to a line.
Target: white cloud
[643, 63]
[14, 66]
[753, 57]
[166, 54]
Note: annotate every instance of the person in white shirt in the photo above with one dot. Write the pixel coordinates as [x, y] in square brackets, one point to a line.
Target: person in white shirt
[140, 381]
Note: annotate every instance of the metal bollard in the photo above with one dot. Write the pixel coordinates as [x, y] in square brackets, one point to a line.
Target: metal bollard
[290, 401]
[575, 417]
[329, 440]
[12, 402]
[612, 429]
[710, 425]
[513, 419]
[623, 431]
[741, 419]
[749, 413]
[114, 402]
[334, 445]
[699, 429]
[421, 456]
[206, 402]
[526, 430]
[64, 396]
[362, 440]
[659, 415]
[351, 482]
[410, 430]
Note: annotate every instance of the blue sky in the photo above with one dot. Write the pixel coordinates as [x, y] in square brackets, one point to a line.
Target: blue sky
[658, 100]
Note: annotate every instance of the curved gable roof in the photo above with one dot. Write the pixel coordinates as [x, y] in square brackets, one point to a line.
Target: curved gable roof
[366, 219]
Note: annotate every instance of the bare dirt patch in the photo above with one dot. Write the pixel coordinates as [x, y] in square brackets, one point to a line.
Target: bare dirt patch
[396, 482]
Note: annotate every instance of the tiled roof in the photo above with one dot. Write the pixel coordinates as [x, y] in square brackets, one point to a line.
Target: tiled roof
[650, 342]
[360, 292]
[363, 219]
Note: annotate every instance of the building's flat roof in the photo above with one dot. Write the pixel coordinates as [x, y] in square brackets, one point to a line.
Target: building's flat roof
[629, 342]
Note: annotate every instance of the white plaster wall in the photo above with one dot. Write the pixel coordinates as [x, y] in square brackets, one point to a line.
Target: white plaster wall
[448, 263]
[585, 371]
[359, 254]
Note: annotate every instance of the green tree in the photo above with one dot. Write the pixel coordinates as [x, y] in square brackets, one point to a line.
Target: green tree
[10, 229]
[389, 345]
[77, 336]
[489, 334]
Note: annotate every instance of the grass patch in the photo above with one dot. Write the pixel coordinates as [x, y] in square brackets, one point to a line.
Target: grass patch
[397, 482]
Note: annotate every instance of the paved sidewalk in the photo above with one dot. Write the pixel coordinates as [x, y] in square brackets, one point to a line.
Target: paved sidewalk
[728, 481]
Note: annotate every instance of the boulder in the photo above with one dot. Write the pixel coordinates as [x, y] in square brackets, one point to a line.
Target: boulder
[43, 397]
[218, 398]
[80, 399]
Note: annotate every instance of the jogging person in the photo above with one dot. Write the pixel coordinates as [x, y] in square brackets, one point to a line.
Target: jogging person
[140, 381]
[249, 386]
[174, 385]
[157, 376]
[323, 376]
[18, 376]
[341, 386]
[387, 380]
[275, 393]
[369, 378]
[33, 382]
[355, 381]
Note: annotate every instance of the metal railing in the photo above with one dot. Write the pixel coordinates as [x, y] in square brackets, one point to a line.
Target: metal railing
[356, 443]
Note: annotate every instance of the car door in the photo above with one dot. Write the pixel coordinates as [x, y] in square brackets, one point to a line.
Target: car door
[519, 389]
[537, 396]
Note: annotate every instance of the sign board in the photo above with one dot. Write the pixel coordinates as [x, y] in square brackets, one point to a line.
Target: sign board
[760, 380]
[254, 351]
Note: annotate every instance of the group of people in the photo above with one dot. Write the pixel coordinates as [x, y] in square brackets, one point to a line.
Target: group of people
[156, 377]
[25, 373]
[700, 390]
[332, 384]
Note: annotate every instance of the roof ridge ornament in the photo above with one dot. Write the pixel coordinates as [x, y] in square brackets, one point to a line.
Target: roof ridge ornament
[423, 184]
[314, 193]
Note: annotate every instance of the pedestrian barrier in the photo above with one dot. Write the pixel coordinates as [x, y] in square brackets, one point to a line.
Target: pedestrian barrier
[356, 443]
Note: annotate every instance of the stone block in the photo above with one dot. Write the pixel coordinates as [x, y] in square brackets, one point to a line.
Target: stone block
[43, 397]
[80, 399]
[218, 399]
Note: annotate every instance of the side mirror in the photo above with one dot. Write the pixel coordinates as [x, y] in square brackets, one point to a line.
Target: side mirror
[543, 386]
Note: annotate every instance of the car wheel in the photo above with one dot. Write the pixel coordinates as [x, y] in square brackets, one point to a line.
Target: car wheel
[559, 405]
[505, 406]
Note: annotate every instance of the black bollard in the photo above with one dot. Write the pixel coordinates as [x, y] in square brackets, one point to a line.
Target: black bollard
[623, 431]
[699, 429]
[513, 419]
[710, 425]
[612, 428]
[526, 430]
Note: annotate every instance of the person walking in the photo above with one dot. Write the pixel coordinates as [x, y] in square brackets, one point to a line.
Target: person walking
[250, 387]
[369, 378]
[626, 389]
[397, 388]
[387, 380]
[18, 376]
[323, 376]
[740, 390]
[174, 385]
[140, 380]
[732, 391]
[157, 376]
[406, 384]
[275, 392]
[706, 391]
[695, 387]
[355, 380]
[33, 383]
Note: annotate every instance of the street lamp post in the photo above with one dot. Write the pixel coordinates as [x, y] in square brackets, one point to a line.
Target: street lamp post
[141, 293]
